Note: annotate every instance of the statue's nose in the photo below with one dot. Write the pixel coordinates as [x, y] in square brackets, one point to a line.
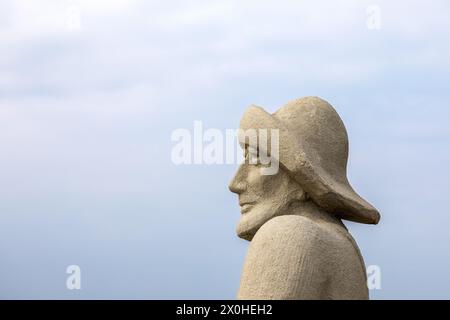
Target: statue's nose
[237, 185]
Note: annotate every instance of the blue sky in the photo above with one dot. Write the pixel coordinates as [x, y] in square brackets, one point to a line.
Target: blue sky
[87, 110]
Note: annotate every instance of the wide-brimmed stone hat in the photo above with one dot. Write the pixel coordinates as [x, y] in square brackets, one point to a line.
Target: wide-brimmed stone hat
[313, 147]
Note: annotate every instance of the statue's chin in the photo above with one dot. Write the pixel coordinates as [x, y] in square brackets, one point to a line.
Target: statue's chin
[246, 229]
[251, 221]
[244, 234]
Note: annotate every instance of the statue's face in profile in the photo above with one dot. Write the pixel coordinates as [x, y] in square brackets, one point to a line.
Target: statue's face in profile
[261, 197]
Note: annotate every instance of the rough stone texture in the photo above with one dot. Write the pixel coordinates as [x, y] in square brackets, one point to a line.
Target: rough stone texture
[299, 247]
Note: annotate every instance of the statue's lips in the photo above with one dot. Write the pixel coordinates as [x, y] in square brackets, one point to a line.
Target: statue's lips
[246, 206]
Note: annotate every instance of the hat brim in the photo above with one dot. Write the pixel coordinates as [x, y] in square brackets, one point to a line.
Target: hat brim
[334, 195]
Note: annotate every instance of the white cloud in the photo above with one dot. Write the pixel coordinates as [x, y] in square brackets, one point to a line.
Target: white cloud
[126, 43]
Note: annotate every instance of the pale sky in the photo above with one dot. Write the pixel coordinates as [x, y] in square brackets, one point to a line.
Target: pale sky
[90, 92]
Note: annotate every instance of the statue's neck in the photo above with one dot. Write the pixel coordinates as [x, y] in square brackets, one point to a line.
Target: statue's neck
[311, 211]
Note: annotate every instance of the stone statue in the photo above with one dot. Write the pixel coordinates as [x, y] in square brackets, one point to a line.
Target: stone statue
[299, 247]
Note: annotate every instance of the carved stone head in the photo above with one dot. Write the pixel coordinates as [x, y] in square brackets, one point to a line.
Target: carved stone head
[312, 152]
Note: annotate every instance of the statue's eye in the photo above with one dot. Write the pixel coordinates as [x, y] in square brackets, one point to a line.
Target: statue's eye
[252, 155]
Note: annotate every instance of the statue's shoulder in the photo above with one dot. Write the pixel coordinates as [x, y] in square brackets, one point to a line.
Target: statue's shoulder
[294, 257]
[288, 258]
[299, 235]
[292, 227]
